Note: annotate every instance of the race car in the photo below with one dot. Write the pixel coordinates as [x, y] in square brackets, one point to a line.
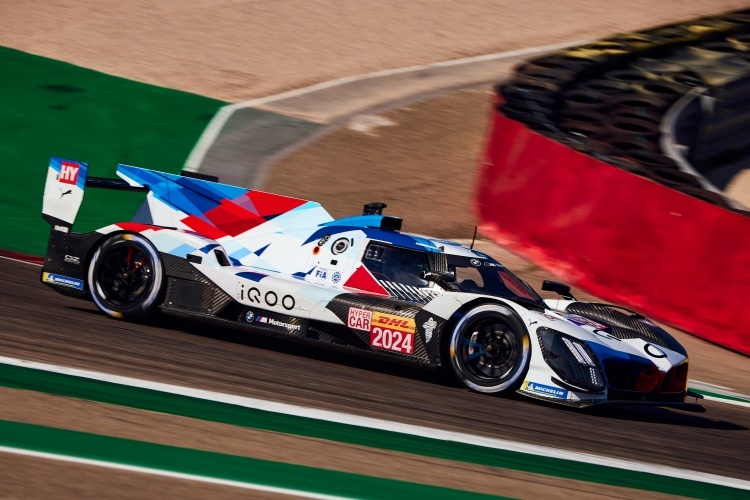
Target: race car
[282, 266]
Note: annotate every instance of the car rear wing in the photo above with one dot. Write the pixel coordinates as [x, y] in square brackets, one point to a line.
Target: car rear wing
[65, 186]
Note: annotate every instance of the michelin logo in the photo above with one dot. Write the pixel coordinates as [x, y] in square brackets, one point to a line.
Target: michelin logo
[545, 390]
[57, 279]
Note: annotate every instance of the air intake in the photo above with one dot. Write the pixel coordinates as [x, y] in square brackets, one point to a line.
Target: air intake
[374, 208]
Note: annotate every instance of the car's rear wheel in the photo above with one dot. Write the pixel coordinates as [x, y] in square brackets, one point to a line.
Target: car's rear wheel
[126, 277]
[490, 349]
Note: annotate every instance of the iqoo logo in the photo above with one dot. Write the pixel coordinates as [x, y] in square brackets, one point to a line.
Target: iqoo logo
[69, 172]
[269, 298]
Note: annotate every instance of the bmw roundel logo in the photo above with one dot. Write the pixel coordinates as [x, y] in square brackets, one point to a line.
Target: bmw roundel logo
[249, 316]
[475, 262]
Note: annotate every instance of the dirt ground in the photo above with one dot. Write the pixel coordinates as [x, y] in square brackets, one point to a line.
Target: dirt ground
[239, 49]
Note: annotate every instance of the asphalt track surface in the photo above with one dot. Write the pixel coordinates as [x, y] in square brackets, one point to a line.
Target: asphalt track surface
[40, 325]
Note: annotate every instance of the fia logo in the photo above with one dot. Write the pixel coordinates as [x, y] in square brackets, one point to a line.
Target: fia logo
[69, 172]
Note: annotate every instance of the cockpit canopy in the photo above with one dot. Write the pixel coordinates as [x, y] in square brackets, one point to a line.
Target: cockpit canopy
[400, 271]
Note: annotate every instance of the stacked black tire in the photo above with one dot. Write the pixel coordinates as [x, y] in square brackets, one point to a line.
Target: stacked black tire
[608, 99]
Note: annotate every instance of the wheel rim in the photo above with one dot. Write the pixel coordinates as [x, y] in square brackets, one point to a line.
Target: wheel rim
[125, 276]
[489, 351]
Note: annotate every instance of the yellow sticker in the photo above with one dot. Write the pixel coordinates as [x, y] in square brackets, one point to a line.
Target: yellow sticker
[394, 322]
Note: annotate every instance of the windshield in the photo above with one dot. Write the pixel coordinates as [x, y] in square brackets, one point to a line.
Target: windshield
[489, 277]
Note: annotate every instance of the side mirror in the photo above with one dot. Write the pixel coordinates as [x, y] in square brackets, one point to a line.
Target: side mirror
[561, 289]
[448, 277]
[443, 280]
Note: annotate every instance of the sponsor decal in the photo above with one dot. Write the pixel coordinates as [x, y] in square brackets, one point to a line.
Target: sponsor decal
[360, 319]
[545, 390]
[545, 315]
[388, 332]
[648, 322]
[270, 298]
[281, 324]
[654, 351]
[63, 193]
[392, 333]
[475, 262]
[249, 316]
[69, 172]
[389, 320]
[321, 274]
[391, 339]
[581, 321]
[62, 229]
[336, 277]
[491, 264]
[323, 240]
[429, 327]
[72, 259]
[57, 279]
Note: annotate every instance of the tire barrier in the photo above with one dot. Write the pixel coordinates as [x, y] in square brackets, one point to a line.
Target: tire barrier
[598, 167]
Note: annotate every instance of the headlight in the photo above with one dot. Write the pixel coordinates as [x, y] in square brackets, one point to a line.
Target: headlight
[572, 360]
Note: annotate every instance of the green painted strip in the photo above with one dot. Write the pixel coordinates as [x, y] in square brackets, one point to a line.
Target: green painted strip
[51, 108]
[217, 465]
[721, 396]
[146, 399]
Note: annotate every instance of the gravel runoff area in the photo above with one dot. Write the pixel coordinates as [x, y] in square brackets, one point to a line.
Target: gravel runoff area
[240, 49]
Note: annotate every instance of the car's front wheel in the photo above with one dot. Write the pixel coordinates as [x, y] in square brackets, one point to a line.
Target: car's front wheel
[490, 350]
[126, 277]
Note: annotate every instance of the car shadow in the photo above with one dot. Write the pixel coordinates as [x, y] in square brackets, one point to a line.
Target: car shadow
[437, 377]
[290, 346]
[646, 414]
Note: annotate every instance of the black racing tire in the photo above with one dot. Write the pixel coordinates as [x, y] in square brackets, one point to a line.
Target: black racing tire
[671, 177]
[585, 100]
[684, 78]
[727, 47]
[126, 277]
[664, 90]
[603, 85]
[630, 145]
[630, 76]
[490, 349]
[634, 126]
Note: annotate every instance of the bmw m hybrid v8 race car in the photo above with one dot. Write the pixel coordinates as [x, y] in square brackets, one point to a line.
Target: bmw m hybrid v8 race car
[281, 266]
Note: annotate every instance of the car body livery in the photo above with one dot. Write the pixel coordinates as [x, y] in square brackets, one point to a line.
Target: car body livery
[282, 266]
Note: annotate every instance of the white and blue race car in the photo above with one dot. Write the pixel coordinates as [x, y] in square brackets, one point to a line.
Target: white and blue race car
[281, 266]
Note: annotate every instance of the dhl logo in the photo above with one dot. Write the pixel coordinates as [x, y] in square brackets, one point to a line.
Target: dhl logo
[396, 322]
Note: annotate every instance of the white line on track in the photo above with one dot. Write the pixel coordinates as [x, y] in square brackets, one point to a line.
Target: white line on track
[717, 389]
[384, 425]
[166, 473]
[20, 260]
[727, 401]
[213, 129]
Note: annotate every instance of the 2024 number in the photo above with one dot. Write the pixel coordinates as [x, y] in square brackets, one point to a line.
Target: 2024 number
[392, 340]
